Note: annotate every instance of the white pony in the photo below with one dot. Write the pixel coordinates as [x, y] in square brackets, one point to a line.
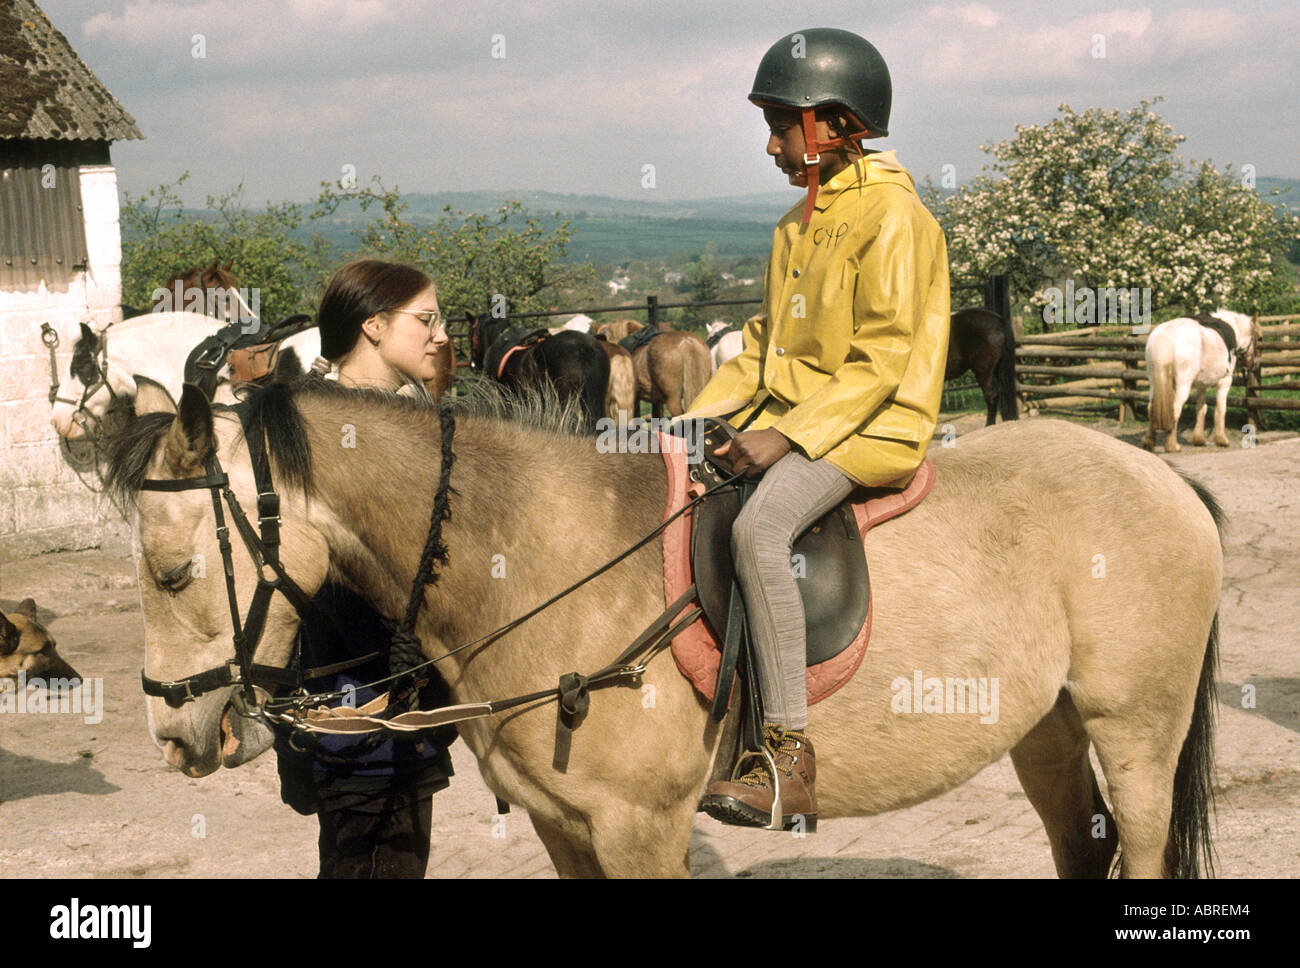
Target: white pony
[725, 347]
[105, 363]
[579, 323]
[1184, 355]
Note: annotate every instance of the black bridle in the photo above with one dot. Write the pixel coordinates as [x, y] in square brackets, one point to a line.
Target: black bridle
[86, 453]
[263, 545]
[98, 375]
[405, 655]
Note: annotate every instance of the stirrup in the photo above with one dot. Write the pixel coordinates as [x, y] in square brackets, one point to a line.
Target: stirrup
[776, 820]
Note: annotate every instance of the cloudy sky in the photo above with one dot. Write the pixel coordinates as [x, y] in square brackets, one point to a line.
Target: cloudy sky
[587, 93]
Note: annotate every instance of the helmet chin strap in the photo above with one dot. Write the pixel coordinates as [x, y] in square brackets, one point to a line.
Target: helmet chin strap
[812, 159]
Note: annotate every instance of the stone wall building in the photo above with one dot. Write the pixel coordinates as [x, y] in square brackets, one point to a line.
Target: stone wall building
[60, 262]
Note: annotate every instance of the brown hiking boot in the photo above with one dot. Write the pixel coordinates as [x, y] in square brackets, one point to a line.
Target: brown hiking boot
[753, 800]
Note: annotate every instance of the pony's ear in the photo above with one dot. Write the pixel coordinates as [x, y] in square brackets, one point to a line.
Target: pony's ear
[226, 267]
[27, 608]
[9, 635]
[191, 438]
[152, 397]
[87, 332]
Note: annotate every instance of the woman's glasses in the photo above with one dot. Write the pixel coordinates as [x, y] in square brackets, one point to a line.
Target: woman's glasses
[429, 317]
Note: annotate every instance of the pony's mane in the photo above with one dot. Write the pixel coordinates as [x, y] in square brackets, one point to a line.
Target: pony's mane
[271, 410]
[274, 410]
[534, 407]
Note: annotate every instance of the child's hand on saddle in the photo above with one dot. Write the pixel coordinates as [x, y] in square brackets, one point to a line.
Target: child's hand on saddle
[754, 450]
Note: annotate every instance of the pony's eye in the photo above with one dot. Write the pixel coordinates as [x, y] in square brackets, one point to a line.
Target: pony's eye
[177, 578]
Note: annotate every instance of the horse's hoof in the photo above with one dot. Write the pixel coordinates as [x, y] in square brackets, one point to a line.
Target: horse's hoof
[1149, 445]
[1222, 442]
[1198, 440]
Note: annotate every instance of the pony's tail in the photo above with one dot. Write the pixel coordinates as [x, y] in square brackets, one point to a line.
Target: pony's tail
[1162, 395]
[697, 370]
[1005, 377]
[1189, 852]
[622, 388]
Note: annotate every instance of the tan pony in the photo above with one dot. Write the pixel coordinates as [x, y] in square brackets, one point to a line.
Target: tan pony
[620, 398]
[1076, 576]
[670, 370]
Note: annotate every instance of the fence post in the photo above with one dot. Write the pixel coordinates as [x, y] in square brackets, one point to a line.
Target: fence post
[997, 297]
[1254, 384]
[1125, 384]
[652, 311]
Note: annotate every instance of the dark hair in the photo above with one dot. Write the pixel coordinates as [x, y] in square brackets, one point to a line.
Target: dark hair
[358, 291]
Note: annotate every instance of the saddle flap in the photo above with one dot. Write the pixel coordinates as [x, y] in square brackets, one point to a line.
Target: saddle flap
[829, 565]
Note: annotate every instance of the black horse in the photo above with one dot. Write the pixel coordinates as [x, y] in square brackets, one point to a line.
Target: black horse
[979, 340]
[572, 362]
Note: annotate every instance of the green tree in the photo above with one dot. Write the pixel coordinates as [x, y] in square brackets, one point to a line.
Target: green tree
[479, 261]
[702, 281]
[1102, 198]
[265, 249]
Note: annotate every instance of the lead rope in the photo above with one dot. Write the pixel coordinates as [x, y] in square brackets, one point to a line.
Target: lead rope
[406, 653]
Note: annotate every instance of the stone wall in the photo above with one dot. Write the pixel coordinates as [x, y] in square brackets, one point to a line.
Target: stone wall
[43, 505]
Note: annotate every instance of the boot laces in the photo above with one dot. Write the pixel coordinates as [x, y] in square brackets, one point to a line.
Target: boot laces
[779, 742]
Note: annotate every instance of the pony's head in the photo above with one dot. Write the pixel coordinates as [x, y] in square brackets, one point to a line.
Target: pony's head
[1248, 335]
[84, 381]
[212, 291]
[183, 588]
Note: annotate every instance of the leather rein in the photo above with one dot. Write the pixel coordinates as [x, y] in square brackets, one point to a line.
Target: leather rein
[263, 544]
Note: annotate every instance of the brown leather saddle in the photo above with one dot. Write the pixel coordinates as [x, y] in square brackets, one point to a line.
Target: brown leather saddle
[829, 562]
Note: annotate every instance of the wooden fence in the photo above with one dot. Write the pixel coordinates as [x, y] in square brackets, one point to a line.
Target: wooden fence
[1108, 363]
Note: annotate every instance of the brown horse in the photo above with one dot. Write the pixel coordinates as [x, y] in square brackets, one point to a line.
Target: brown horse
[980, 340]
[1095, 620]
[212, 291]
[671, 369]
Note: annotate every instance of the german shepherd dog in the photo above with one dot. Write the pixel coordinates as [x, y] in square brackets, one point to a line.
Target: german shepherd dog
[27, 646]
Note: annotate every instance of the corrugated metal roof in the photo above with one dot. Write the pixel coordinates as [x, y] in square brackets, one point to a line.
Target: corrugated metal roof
[46, 90]
[42, 226]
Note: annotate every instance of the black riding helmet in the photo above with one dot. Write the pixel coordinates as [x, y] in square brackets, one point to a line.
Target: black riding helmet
[824, 66]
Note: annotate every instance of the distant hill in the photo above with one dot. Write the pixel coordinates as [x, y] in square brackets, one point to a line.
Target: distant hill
[1288, 189]
[766, 207]
[609, 229]
[621, 229]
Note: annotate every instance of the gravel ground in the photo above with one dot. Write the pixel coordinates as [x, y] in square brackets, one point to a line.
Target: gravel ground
[82, 799]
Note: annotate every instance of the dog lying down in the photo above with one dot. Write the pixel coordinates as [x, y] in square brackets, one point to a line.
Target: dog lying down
[27, 647]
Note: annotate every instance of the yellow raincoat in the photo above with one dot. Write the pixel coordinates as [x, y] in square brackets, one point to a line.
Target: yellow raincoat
[852, 341]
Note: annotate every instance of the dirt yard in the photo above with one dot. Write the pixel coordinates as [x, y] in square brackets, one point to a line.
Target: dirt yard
[95, 799]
